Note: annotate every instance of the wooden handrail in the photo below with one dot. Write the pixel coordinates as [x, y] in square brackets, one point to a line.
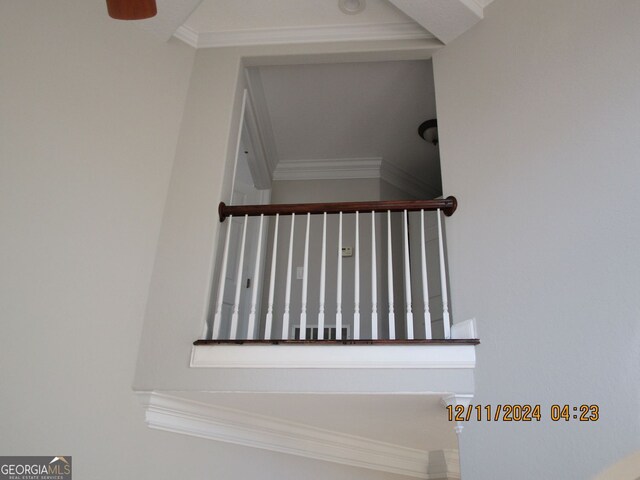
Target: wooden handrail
[447, 205]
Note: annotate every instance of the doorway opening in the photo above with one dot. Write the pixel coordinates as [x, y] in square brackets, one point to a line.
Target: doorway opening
[333, 132]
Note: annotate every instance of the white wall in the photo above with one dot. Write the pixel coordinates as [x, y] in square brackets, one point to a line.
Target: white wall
[539, 113]
[90, 115]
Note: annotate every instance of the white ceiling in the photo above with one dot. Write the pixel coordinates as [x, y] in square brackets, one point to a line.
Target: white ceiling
[214, 23]
[231, 15]
[354, 111]
[414, 421]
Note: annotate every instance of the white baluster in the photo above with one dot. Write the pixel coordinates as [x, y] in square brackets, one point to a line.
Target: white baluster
[425, 281]
[356, 289]
[287, 296]
[323, 266]
[272, 282]
[339, 283]
[236, 302]
[217, 318]
[392, 317]
[254, 293]
[374, 280]
[305, 277]
[407, 280]
[443, 282]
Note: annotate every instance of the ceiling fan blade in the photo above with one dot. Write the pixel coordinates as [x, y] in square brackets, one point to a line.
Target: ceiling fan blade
[131, 9]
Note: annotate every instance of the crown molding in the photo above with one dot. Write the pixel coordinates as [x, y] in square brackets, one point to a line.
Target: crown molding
[397, 177]
[175, 414]
[171, 14]
[187, 35]
[447, 20]
[328, 169]
[354, 168]
[310, 34]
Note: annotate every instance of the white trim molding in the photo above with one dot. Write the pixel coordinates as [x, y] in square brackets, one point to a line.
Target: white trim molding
[334, 356]
[172, 413]
[455, 399]
[354, 168]
[171, 14]
[328, 169]
[309, 34]
[187, 35]
[446, 19]
[465, 330]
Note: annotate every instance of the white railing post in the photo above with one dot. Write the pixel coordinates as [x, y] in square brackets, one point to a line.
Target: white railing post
[217, 317]
[425, 282]
[323, 266]
[236, 302]
[272, 282]
[392, 317]
[374, 280]
[254, 293]
[356, 289]
[407, 279]
[287, 296]
[305, 277]
[446, 322]
[339, 283]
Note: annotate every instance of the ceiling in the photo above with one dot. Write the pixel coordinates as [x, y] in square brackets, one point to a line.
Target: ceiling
[351, 111]
[211, 23]
[230, 15]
